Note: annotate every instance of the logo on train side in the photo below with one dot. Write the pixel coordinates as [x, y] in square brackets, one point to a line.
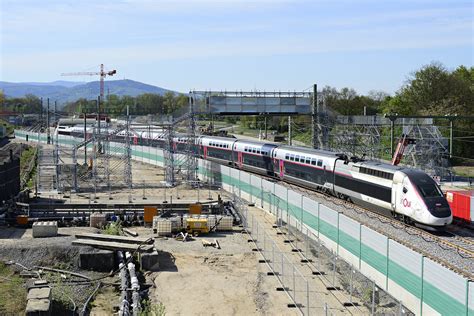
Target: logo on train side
[406, 203]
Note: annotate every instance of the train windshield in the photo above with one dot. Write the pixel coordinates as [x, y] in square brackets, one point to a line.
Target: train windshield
[427, 187]
[429, 190]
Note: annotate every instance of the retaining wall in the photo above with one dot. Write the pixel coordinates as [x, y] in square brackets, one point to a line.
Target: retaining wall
[422, 285]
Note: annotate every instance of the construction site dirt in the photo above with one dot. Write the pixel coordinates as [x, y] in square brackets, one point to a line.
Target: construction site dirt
[192, 279]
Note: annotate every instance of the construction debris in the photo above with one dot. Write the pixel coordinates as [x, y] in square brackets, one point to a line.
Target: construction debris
[113, 245]
[45, 229]
[183, 237]
[114, 238]
[130, 232]
[207, 243]
[39, 301]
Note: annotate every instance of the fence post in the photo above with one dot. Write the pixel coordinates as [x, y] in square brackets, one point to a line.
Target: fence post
[307, 243]
[273, 255]
[257, 234]
[253, 223]
[282, 267]
[351, 285]
[319, 254]
[307, 297]
[373, 298]
[294, 285]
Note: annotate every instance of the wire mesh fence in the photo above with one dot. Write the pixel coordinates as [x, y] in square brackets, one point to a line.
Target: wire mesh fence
[342, 279]
[304, 296]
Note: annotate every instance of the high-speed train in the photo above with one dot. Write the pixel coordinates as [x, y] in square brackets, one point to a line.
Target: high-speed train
[408, 194]
[404, 193]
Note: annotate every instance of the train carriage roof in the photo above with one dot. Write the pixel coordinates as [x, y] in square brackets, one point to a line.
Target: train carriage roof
[310, 151]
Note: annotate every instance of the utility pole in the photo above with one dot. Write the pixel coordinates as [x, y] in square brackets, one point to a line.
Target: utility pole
[47, 124]
[316, 120]
[289, 130]
[85, 137]
[265, 125]
[392, 126]
[55, 111]
[41, 114]
[99, 147]
[451, 137]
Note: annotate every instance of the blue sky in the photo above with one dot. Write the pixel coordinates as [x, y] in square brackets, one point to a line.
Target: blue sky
[235, 44]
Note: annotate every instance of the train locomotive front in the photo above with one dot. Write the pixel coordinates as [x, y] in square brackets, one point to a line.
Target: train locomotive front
[417, 197]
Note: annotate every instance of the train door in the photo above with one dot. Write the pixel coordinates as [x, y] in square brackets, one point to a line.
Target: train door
[205, 151]
[281, 168]
[240, 159]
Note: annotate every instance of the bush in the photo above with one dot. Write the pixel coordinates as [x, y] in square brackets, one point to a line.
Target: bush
[150, 309]
[114, 228]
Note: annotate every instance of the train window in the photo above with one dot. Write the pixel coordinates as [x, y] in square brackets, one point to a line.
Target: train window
[320, 163]
[302, 158]
[292, 157]
[254, 150]
[297, 158]
[313, 162]
[258, 151]
[308, 160]
[287, 156]
[429, 190]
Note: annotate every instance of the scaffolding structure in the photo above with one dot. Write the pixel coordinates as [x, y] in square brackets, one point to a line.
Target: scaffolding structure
[106, 168]
[358, 136]
[183, 163]
[374, 137]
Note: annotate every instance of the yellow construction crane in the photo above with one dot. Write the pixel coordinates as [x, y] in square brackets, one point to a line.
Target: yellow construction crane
[101, 73]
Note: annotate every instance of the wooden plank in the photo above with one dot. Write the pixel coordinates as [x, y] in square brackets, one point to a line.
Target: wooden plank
[112, 245]
[122, 239]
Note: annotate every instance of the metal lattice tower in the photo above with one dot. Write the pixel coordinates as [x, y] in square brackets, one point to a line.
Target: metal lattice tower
[169, 163]
[190, 163]
[128, 154]
[431, 150]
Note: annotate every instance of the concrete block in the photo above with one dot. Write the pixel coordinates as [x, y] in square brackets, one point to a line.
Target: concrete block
[39, 293]
[150, 261]
[102, 260]
[45, 229]
[41, 282]
[38, 307]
